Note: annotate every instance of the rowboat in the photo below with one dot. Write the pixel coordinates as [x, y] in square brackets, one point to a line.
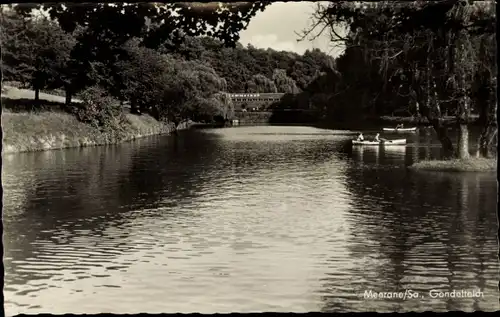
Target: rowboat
[380, 143]
[399, 130]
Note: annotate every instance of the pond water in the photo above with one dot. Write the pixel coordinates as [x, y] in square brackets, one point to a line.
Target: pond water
[246, 219]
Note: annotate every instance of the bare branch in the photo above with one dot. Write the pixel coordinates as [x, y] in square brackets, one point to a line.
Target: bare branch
[339, 38]
[389, 57]
[320, 16]
[306, 33]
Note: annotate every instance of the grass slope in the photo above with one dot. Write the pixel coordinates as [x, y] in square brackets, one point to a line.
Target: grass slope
[25, 132]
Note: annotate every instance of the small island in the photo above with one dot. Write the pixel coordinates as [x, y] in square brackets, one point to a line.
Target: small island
[476, 164]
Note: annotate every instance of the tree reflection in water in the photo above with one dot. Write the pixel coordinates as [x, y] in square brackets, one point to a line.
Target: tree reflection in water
[97, 191]
[419, 231]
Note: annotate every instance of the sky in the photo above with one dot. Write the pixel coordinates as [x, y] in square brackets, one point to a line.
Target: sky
[275, 27]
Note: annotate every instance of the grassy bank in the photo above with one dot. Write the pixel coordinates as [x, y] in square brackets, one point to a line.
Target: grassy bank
[469, 165]
[47, 130]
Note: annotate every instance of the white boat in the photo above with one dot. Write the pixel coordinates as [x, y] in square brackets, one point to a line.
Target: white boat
[399, 130]
[380, 143]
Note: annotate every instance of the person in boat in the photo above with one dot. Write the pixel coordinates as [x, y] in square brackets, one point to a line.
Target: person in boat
[400, 126]
[360, 137]
[379, 139]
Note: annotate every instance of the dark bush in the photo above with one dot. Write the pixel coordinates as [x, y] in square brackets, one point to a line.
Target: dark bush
[100, 110]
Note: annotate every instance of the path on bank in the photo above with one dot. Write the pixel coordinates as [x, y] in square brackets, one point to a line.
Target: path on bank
[14, 93]
[20, 93]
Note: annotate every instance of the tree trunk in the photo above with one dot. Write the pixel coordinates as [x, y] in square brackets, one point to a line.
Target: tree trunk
[483, 111]
[176, 123]
[463, 142]
[133, 107]
[437, 122]
[487, 136]
[36, 103]
[463, 118]
[432, 111]
[145, 109]
[442, 134]
[463, 130]
[489, 130]
[69, 97]
[488, 119]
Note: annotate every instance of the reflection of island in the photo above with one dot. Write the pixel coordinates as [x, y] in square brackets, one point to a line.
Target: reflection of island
[419, 231]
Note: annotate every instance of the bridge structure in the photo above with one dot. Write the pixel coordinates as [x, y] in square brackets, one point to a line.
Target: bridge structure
[254, 108]
[254, 101]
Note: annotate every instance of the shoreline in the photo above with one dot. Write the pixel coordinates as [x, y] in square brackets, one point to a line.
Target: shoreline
[44, 131]
[473, 164]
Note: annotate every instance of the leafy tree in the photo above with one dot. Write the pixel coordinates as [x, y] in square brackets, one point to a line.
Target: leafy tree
[35, 51]
[218, 107]
[18, 55]
[54, 56]
[284, 83]
[196, 82]
[260, 83]
[204, 78]
[167, 87]
[145, 75]
[309, 66]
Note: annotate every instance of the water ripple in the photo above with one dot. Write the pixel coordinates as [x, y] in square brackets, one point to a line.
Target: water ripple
[248, 220]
